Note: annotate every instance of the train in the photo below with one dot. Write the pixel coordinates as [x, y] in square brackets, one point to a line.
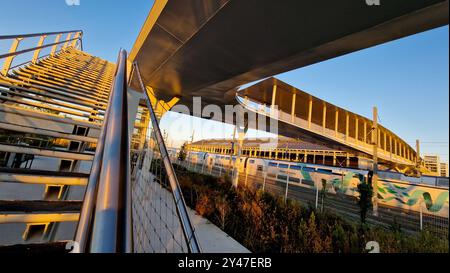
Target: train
[426, 193]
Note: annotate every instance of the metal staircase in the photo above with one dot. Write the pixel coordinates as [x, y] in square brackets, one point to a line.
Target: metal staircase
[65, 171]
[51, 111]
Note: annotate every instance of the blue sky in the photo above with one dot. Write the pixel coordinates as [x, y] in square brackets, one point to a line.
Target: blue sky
[407, 79]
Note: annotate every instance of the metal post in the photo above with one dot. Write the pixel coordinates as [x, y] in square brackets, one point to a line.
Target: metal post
[287, 189]
[310, 109]
[294, 98]
[238, 152]
[74, 42]
[69, 36]
[9, 60]
[375, 161]
[336, 122]
[38, 51]
[53, 50]
[187, 227]
[317, 195]
[246, 177]
[265, 178]
[421, 216]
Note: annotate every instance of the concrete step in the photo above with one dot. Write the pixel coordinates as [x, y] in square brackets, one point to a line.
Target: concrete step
[14, 207]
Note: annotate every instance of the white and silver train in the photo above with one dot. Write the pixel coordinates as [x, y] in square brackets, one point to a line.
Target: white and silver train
[255, 166]
[394, 189]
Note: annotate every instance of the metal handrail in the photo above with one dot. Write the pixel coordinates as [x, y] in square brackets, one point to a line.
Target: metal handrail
[187, 227]
[13, 52]
[16, 53]
[111, 231]
[31, 35]
[83, 232]
[105, 219]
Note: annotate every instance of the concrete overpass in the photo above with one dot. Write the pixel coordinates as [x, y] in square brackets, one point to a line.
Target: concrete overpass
[301, 114]
[211, 48]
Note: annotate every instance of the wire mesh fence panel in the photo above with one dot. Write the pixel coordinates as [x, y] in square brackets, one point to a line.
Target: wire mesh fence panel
[157, 225]
[342, 204]
[436, 224]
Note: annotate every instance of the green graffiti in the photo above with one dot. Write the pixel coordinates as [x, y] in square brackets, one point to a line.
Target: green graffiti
[306, 175]
[390, 192]
[432, 207]
[400, 188]
[342, 185]
[413, 198]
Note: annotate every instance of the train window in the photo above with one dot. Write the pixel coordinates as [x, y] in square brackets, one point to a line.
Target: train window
[273, 164]
[324, 171]
[283, 166]
[308, 169]
[295, 180]
[252, 161]
[308, 183]
[282, 177]
[296, 167]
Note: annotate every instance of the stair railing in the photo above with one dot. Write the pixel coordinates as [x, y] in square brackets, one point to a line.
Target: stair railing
[73, 38]
[105, 219]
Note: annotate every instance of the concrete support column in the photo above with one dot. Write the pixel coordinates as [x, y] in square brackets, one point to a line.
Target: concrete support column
[395, 147]
[238, 152]
[379, 138]
[365, 132]
[390, 146]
